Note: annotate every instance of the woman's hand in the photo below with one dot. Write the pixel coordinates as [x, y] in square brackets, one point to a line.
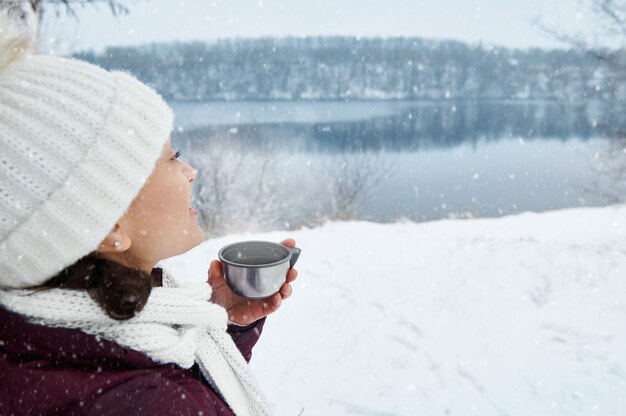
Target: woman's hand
[245, 311]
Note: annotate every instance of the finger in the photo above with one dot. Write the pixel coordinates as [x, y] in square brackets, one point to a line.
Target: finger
[285, 291]
[272, 304]
[215, 272]
[290, 242]
[292, 275]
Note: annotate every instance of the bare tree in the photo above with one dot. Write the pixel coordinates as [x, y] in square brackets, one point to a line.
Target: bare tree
[609, 168]
[236, 188]
[609, 165]
[32, 11]
[353, 180]
[20, 7]
[262, 201]
[218, 170]
[612, 15]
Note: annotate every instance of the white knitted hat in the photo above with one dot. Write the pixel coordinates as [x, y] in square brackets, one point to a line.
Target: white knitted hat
[76, 145]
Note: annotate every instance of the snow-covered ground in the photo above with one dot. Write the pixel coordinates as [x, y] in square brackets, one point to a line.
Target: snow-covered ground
[521, 315]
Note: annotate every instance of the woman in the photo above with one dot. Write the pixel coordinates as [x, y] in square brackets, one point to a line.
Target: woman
[92, 196]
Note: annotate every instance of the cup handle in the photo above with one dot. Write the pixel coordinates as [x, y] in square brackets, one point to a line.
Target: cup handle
[295, 253]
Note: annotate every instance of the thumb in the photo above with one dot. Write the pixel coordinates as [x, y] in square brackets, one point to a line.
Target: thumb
[216, 276]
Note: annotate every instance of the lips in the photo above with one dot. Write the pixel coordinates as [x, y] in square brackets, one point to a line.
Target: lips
[192, 211]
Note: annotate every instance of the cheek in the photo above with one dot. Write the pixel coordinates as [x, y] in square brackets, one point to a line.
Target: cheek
[162, 204]
[163, 191]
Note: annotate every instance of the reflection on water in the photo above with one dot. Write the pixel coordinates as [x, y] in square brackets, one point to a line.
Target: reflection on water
[488, 179]
[398, 126]
[440, 159]
[216, 113]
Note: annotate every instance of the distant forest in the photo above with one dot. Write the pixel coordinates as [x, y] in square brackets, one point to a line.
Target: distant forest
[348, 68]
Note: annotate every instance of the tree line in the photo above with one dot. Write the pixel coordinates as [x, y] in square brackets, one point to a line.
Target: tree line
[344, 68]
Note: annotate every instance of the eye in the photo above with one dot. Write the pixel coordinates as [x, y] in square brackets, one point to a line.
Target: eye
[177, 155]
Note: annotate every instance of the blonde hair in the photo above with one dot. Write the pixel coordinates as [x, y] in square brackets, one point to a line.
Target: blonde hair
[15, 41]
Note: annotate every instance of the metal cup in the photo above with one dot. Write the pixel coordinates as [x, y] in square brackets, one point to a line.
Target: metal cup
[257, 269]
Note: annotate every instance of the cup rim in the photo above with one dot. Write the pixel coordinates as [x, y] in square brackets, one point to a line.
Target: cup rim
[220, 254]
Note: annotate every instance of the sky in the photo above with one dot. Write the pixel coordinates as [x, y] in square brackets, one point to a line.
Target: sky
[498, 22]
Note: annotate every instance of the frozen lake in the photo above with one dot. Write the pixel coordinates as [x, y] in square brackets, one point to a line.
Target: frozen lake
[429, 160]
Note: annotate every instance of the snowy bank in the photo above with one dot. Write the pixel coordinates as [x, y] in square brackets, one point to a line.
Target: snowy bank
[520, 315]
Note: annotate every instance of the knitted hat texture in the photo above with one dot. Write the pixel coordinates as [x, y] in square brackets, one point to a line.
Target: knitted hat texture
[77, 143]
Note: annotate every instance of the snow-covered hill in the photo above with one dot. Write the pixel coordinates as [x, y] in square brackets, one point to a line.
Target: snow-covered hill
[520, 315]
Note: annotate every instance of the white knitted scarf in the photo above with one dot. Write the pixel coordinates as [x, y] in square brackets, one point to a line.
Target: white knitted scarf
[177, 325]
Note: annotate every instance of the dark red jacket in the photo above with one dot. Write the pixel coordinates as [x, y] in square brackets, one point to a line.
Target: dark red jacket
[52, 371]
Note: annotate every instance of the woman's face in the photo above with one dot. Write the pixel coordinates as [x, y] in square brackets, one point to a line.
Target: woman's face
[159, 222]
